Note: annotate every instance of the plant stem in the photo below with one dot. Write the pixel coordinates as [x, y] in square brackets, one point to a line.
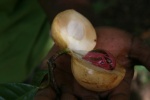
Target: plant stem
[51, 66]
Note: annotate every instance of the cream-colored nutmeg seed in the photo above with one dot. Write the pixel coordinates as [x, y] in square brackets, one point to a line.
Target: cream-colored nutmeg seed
[71, 30]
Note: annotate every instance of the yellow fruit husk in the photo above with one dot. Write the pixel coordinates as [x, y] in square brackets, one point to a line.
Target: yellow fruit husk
[95, 78]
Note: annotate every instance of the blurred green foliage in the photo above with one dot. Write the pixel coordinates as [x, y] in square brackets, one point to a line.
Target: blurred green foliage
[143, 74]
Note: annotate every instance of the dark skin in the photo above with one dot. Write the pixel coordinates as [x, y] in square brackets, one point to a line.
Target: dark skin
[126, 54]
[127, 50]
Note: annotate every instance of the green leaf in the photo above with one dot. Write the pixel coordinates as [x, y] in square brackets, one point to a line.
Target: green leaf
[17, 91]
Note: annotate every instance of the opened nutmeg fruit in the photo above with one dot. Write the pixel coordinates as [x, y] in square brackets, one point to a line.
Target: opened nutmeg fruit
[96, 70]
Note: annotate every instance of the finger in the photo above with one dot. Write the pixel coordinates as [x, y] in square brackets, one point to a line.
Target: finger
[140, 52]
[68, 96]
[122, 92]
[114, 40]
[45, 94]
[90, 98]
[84, 94]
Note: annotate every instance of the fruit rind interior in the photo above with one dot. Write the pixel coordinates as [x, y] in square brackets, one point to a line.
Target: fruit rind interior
[72, 30]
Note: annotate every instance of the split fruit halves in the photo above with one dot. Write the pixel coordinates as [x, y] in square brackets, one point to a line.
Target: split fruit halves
[72, 31]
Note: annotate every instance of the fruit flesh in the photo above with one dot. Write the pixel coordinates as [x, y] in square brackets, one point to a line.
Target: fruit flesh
[72, 30]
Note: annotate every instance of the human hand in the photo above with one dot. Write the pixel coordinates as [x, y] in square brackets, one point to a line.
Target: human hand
[122, 45]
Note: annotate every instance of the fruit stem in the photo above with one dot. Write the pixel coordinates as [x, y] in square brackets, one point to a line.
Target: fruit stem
[51, 67]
